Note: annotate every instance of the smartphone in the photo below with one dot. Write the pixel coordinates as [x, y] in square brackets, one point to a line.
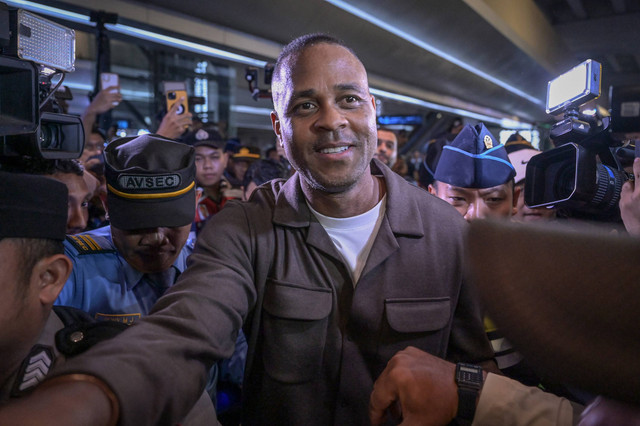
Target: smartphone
[174, 96]
[108, 79]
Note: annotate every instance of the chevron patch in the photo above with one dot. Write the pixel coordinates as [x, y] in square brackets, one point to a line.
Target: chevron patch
[34, 370]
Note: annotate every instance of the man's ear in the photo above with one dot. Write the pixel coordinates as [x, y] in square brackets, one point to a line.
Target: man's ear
[49, 275]
[275, 123]
[516, 195]
[432, 190]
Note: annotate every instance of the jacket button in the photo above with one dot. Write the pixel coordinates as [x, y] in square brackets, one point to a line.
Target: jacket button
[76, 336]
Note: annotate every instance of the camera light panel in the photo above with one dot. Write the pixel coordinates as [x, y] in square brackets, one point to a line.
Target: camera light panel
[45, 42]
[575, 87]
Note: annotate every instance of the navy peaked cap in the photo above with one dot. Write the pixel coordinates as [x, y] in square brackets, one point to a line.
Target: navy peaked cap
[474, 159]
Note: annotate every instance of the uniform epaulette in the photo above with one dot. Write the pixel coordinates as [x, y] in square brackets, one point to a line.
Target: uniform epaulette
[90, 244]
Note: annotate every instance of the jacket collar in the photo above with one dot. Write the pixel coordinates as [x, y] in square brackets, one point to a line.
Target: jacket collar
[402, 209]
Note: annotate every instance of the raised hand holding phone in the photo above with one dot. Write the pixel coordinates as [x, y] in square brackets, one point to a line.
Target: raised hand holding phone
[178, 118]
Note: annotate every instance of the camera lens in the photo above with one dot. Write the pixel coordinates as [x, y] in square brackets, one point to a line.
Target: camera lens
[608, 186]
[171, 95]
[49, 137]
[565, 182]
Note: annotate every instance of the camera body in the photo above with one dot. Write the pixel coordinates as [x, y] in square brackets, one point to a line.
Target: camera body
[582, 174]
[32, 51]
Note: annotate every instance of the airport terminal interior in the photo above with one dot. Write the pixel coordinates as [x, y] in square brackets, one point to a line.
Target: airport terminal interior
[346, 289]
[428, 61]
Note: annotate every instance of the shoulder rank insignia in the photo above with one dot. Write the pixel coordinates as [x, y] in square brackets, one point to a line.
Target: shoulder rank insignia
[90, 244]
[34, 370]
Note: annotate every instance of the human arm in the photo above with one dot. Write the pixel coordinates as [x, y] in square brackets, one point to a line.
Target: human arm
[58, 404]
[105, 100]
[157, 368]
[603, 412]
[173, 124]
[421, 389]
[630, 202]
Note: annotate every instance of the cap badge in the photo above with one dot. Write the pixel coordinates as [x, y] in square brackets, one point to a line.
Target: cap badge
[202, 135]
[488, 142]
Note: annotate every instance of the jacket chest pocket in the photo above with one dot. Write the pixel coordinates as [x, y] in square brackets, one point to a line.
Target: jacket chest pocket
[422, 323]
[294, 324]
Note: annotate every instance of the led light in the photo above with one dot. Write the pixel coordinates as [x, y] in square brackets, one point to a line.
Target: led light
[184, 44]
[243, 109]
[575, 87]
[210, 51]
[503, 122]
[50, 11]
[430, 48]
[45, 42]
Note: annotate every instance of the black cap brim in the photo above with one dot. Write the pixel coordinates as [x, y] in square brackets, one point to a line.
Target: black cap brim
[143, 214]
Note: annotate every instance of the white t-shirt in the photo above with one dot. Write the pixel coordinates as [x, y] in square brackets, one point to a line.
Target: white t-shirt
[354, 236]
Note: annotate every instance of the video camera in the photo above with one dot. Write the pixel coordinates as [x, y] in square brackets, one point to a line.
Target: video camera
[34, 50]
[583, 174]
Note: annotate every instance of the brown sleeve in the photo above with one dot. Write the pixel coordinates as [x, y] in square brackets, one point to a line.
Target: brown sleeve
[157, 368]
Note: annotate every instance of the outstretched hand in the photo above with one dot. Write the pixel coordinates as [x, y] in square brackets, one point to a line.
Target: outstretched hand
[417, 387]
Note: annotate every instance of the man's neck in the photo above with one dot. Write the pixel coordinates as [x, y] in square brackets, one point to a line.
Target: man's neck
[352, 202]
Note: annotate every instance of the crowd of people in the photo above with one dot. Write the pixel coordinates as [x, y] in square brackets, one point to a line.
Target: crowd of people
[180, 277]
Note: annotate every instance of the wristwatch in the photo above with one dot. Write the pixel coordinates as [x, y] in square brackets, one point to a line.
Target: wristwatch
[469, 380]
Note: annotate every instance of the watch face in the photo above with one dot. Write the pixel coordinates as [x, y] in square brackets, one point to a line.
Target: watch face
[469, 375]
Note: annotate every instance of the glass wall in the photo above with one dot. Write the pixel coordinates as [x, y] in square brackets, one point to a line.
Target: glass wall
[214, 88]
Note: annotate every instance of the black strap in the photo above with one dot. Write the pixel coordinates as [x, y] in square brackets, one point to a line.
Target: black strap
[466, 406]
[81, 331]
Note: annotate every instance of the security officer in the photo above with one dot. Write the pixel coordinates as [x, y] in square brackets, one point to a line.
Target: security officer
[33, 337]
[475, 176]
[122, 269]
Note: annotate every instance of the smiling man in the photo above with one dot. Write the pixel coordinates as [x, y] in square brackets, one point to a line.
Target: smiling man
[321, 271]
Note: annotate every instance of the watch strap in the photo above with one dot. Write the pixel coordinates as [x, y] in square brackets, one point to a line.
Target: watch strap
[466, 405]
[469, 379]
